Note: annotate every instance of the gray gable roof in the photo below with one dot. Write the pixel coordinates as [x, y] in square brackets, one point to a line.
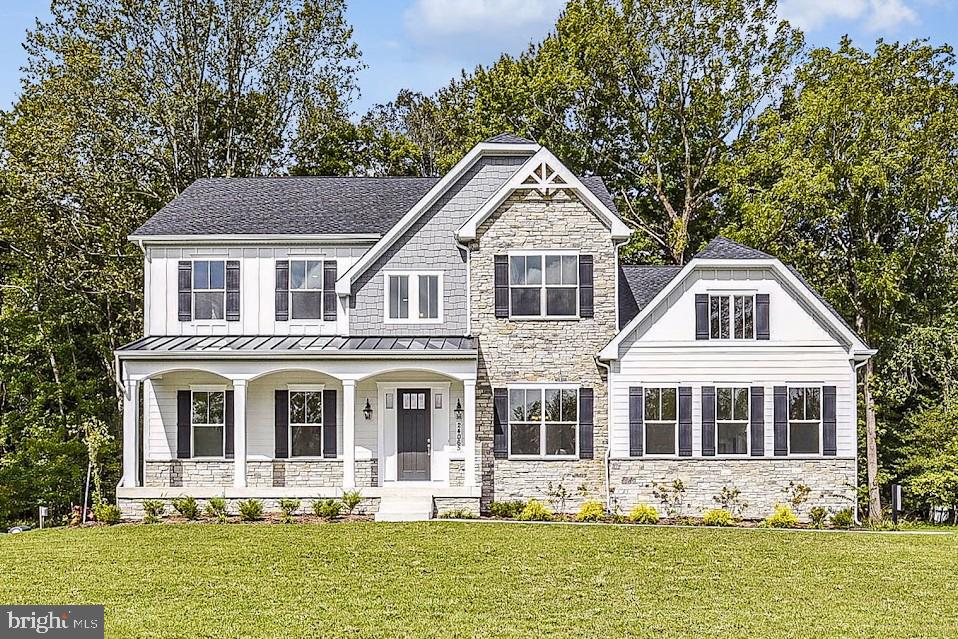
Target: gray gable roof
[595, 184]
[638, 285]
[722, 248]
[508, 138]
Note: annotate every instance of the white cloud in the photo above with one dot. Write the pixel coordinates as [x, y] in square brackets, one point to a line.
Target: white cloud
[490, 19]
[875, 15]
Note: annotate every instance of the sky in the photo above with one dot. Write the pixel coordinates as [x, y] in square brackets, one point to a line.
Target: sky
[421, 44]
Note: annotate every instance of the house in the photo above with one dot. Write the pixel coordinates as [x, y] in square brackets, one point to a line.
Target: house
[442, 343]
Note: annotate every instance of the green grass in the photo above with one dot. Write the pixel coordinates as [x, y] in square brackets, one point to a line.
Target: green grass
[460, 579]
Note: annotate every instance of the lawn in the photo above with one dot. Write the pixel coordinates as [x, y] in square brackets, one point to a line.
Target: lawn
[477, 580]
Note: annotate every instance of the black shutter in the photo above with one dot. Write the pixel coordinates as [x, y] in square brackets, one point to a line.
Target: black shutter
[685, 421]
[708, 420]
[500, 422]
[585, 286]
[329, 290]
[184, 417]
[586, 436]
[232, 291]
[230, 425]
[780, 407]
[282, 423]
[636, 425]
[282, 290]
[185, 296]
[761, 316]
[757, 418]
[829, 422]
[329, 423]
[701, 316]
[502, 285]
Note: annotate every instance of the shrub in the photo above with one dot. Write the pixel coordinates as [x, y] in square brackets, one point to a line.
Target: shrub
[187, 507]
[818, 515]
[797, 494]
[535, 511]
[457, 513]
[288, 507]
[718, 517]
[153, 509]
[506, 509]
[644, 514]
[590, 511]
[783, 517]
[327, 508]
[351, 499]
[251, 509]
[216, 507]
[843, 518]
[671, 496]
[731, 500]
[107, 513]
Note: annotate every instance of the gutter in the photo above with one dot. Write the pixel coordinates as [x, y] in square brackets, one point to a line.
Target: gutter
[858, 365]
[188, 355]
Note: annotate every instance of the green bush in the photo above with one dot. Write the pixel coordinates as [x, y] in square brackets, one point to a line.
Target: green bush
[644, 514]
[783, 517]
[107, 513]
[843, 518]
[288, 507]
[251, 509]
[152, 510]
[187, 507]
[591, 511]
[216, 507]
[718, 517]
[506, 509]
[457, 513]
[535, 511]
[351, 499]
[818, 515]
[327, 508]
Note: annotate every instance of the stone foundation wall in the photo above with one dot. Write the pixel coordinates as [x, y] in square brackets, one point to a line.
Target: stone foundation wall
[367, 473]
[762, 482]
[188, 472]
[180, 473]
[446, 504]
[457, 472]
[530, 479]
[305, 473]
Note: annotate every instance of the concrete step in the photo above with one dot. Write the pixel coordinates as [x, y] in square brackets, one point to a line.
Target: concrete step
[404, 508]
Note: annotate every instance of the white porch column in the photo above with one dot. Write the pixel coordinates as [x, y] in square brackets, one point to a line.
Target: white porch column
[469, 429]
[349, 434]
[239, 433]
[131, 414]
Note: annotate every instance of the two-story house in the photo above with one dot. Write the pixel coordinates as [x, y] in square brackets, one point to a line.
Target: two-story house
[442, 343]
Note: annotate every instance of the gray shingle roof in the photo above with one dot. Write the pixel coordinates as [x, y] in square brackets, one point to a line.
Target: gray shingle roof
[638, 285]
[293, 344]
[288, 205]
[595, 184]
[508, 138]
[722, 248]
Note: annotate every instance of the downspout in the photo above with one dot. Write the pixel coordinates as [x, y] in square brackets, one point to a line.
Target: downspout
[606, 458]
[122, 389]
[857, 367]
[468, 251]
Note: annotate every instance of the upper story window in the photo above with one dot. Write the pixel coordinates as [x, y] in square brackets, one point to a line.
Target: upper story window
[209, 289]
[413, 297]
[544, 285]
[306, 289]
[306, 423]
[732, 316]
[543, 421]
[661, 421]
[208, 423]
[804, 420]
[731, 420]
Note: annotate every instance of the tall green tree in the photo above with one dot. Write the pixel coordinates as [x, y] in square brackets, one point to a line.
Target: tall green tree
[853, 177]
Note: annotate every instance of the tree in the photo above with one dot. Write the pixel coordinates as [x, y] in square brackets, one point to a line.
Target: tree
[852, 178]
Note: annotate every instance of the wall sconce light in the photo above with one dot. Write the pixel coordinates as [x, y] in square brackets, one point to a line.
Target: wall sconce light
[459, 410]
[367, 410]
[458, 413]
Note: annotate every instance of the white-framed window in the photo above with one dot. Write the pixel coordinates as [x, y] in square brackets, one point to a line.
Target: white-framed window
[413, 297]
[543, 421]
[305, 421]
[805, 420]
[660, 413]
[208, 422]
[731, 420]
[732, 316]
[544, 285]
[306, 289]
[209, 289]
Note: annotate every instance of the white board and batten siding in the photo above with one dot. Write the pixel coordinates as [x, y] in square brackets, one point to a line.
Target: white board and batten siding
[257, 289]
[663, 351]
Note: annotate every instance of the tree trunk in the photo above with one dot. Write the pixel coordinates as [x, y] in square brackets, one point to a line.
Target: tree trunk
[871, 446]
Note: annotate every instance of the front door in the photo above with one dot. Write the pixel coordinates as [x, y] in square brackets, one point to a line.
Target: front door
[412, 434]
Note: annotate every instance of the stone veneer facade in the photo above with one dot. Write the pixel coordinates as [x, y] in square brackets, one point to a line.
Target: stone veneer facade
[290, 473]
[541, 350]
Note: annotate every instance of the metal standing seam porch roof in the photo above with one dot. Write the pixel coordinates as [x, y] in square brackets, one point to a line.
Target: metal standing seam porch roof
[292, 345]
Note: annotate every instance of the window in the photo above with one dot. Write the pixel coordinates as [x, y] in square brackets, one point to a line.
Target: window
[804, 420]
[209, 289]
[413, 297]
[552, 294]
[660, 421]
[732, 316]
[209, 423]
[731, 421]
[306, 289]
[306, 423]
[543, 421]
